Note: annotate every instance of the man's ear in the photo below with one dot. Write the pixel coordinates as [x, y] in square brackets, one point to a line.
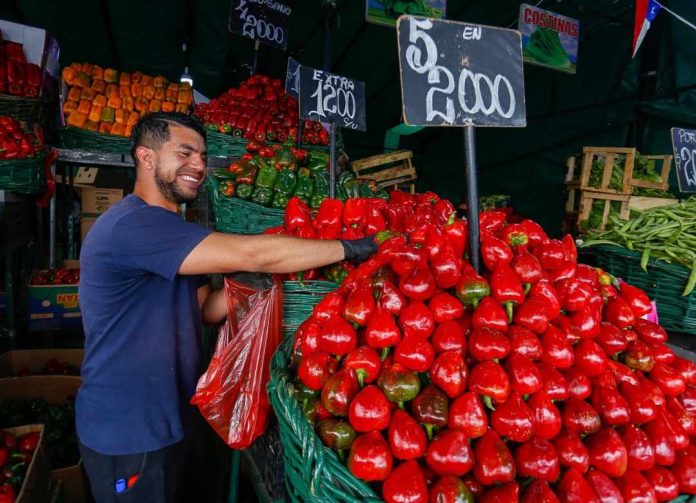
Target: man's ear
[145, 157]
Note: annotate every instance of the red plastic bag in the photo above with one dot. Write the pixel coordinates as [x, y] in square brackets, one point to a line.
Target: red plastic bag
[231, 394]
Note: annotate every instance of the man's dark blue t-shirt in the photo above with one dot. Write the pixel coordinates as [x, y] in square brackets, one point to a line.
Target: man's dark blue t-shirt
[142, 327]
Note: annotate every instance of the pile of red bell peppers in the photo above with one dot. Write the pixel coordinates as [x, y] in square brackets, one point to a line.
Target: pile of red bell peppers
[17, 77]
[15, 456]
[259, 109]
[15, 143]
[536, 380]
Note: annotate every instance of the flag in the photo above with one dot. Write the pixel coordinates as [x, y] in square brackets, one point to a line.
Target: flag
[646, 12]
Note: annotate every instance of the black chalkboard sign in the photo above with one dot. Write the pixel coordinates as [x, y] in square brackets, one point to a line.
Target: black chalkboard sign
[684, 147]
[292, 79]
[460, 74]
[327, 97]
[262, 20]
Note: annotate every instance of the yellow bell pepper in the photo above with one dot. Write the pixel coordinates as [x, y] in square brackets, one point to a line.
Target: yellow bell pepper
[108, 115]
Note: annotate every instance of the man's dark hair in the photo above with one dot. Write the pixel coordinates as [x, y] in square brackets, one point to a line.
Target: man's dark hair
[153, 130]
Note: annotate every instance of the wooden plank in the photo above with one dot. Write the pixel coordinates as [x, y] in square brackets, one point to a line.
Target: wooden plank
[614, 150]
[378, 160]
[389, 173]
[571, 163]
[645, 203]
[607, 171]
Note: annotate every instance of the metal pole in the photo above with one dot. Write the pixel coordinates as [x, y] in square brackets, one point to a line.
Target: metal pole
[255, 62]
[472, 194]
[332, 162]
[52, 224]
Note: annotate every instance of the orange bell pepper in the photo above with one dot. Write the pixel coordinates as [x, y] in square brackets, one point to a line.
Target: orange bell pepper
[105, 127]
[185, 96]
[136, 77]
[97, 72]
[149, 92]
[127, 131]
[136, 90]
[82, 80]
[74, 94]
[69, 107]
[128, 103]
[88, 94]
[155, 106]
[99, 85]
[147, 80]
[77, 119]
[124, 91]
[120, 116]
[168, 106]
[111, 89]
[160, 93]
[160, 81]
[181, 108]
[133, 117]
[172, 92]
[91, 126]
[115, 102]
[124, 79]
[99, 100]
[141, 104]
[69, 73]
[111, 76]
[87, 68]
[117, 129]
[95, 113]
[85, 106]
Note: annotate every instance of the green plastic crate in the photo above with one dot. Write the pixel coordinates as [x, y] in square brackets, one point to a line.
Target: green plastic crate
[24, 176]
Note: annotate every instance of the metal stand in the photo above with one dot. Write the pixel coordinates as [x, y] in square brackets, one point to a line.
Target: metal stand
[472, 194]
[255, 61]
[332, 162]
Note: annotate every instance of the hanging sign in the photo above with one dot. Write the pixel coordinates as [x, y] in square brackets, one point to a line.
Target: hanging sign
[460, 74]
[549, 39]
[292, 79]
[327, 97]
[262, 20]
[684, 147]
[386, 12]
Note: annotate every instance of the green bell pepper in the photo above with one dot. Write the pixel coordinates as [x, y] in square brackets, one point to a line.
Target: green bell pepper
[244, 190]
[316, 200]
[305, 184]
[364, 189]
[262, 196]
[286, 181]
[280, 200]
[347, 181]
[267, 175]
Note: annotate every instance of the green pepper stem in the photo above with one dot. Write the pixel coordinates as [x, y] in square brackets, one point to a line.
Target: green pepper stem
[385, 353]
[429, 430]
[361, 376]
[488, 402]
[509, 307]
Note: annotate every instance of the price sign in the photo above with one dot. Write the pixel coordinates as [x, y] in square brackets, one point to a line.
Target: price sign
[460, 74]
[262, 20]
[327, 97]
[684, 147]
[292, 79]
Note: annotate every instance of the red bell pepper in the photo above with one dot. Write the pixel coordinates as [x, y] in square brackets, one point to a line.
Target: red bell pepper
[527, 267]
[494, 462]
[457, 231]
[365, 362]
[557, 351]
[449, 336]
[667, 379]
[555, 384]
[607, 452]
[570, 250]
[603, 486]
[661, 439]
[491, 221]
[649, 332]
[684, 470]
[532, 315]
[488, 344]
[404, 259]
[419, 285]
[337, 336]
[622, 373]
[551, 254]
[374, 222]
[489, 380]
[571, 451]
[449, 454]
[416, 319]
[430, 408]
[640, 452]
[638, 356]
[329, 219]
[355, 213]
[579, 385]
[446, 267]
[538, 459]
[338, 391]
[443, 210]
[472, 287]
[514, 235]
[636, 298]
[587, 321]
[297, 215]
[535, 233]
[369, 410]
[451, 489]
[544, 291]
[662, 354]
[524, 342]
[574, 488]
[635, 489]
[688, 399]
[406, 438]
[414, 353]
[315, 369]
[398, 384]
[467, 414]
[546, 416]
[619, 313]
[539, 492]
[580, 416]
[506, 288]
[449, 372]
[405, 483]
[679, 436]
[390, 298]
[574, 294]
[525, 377]
[652, 391]
[7, 493]
[612, 407]
[331, 305]
[590, 357]
[513, 419]
[489, 314]
[360, 305]
[611, 339]
[686, 419]
[382, 332]
[445, 307]
[495, 251]
[563, 272]
[663, 482]
[507, 493]
[370, 458]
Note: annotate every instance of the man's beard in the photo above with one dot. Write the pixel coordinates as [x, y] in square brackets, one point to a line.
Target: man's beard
[171, 190]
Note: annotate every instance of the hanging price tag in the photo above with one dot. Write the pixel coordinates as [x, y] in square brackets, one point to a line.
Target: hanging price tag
[684, 147]
[460, 74]
[262, 20]
[327, 97]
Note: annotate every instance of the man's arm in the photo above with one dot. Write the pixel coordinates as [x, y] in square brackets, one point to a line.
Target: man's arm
[221, 253]
[213, 304]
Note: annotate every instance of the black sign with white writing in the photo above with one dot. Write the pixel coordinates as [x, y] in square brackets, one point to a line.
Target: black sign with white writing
[292, 79]
[262, 20]
[460, 74]
[684, 147]
[327, 97]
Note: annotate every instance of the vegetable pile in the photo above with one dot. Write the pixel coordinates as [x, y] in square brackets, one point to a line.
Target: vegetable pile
[108, 101]
[666, 233]
[259, 109]
[15, 456]
[17, 77]
[270, 175]
[15, 143]
[60, 276]
[52, 367]
[536, 380]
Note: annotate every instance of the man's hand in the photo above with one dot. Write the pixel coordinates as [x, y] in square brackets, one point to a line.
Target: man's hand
[359, 249]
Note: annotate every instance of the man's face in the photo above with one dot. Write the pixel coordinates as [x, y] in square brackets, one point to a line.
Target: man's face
[180, 165]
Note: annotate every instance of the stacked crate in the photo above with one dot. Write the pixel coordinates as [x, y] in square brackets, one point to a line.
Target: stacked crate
[582, 195]
[389, 171]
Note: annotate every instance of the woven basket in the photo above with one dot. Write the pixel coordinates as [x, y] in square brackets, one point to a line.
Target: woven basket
[299, 298]
[236, 216]
[313, 472]
[663, 282]
[23, 109]
[82, 139]
[24, 176]
[224, 145]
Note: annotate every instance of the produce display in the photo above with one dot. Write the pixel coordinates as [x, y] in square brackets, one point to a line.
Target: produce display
[271, 175]
[111, 102]
[15, 456]
[537, 379]
[60, 276]
[15, 142]
[666, 233]
[59, 427]
[643, 169]
[52, 367]
[259, 109]
[17, 77]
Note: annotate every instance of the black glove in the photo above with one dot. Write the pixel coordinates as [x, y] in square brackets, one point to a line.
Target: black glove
[255, 280]
[359, 249]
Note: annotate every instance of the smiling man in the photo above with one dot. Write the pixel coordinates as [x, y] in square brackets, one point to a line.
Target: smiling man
[143, 296]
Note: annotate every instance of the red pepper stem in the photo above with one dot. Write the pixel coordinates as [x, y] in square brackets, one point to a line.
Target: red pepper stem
[429, 430]
[509, 309]
[385, 353]
[488, 402]
[361, 374]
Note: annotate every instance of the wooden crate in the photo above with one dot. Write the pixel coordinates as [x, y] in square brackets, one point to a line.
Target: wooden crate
[663, 163]
[645, 203]
[579, 206]
[608, 156]
[393, 171]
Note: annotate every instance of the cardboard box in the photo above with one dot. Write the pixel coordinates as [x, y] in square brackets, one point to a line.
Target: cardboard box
[36, 487]
[85, 225]
[73, 480]
[53, 307]
[12, 363]
[96, 200]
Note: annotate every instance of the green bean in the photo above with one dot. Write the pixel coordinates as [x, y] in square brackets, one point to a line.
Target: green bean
[644, 258]
[691, 282]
